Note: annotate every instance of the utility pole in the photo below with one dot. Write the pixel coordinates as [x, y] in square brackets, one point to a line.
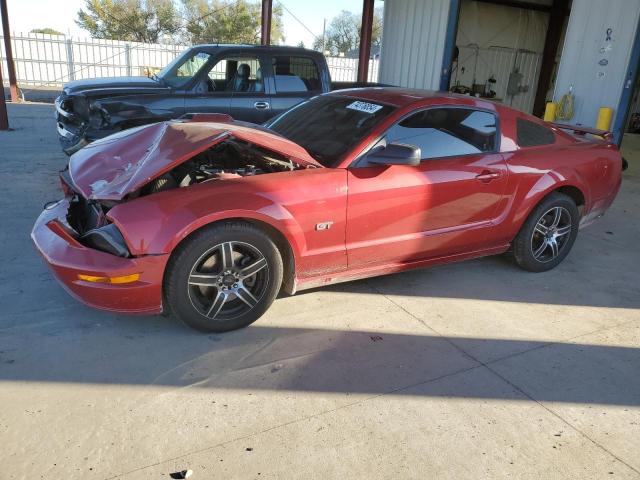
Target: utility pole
[13, 85]
[324, 30]
[265, 28]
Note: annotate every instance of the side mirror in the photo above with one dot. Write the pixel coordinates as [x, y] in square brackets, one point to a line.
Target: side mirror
[395, 154]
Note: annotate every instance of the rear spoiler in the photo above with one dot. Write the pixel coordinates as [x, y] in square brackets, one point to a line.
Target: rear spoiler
[580, 130]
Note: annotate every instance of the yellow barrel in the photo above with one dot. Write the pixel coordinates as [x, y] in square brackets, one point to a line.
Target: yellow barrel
[604, 118]
[550, 112]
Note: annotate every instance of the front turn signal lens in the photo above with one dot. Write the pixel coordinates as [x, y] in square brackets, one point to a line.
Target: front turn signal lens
[134, 277]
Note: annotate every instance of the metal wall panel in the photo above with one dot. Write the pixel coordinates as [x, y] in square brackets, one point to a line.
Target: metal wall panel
[594, 65]
[413, 42]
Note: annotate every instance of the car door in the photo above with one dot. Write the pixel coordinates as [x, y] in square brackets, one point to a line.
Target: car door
[294, 80]
[442, 207]
[207, 93]
[250, 100]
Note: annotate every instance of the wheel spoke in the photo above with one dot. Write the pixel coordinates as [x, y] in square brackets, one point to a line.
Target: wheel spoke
[557, 214]
[216, 305]
[246, 296]
[254, 268]
[226, 255]
[562, 231]
[541, 229]
[554, 247]
[203, 279]
[541, 249]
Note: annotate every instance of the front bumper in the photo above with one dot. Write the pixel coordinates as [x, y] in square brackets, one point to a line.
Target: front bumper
[67, 258]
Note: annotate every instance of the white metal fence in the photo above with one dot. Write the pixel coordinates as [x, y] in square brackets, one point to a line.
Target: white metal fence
[43, 60]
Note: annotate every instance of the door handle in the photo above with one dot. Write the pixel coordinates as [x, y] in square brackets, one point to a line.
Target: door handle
[261, 105]
[487, 175]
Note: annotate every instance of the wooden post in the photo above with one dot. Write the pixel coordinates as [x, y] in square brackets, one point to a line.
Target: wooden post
[365, 40]
[265, 30]
[11, 68]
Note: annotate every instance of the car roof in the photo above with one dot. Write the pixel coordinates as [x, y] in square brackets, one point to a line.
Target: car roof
[404, 97]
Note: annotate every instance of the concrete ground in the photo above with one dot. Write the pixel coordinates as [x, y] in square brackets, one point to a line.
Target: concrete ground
[468, 371]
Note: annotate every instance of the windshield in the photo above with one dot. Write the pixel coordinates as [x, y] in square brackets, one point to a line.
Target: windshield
[328, 126]
[183, 68]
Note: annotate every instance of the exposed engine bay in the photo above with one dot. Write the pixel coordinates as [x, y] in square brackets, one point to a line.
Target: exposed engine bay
[226, 160]
[229, 159]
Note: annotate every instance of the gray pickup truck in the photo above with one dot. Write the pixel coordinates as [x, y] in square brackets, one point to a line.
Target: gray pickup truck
[250, 83]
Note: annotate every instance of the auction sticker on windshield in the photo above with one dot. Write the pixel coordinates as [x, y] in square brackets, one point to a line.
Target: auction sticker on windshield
[364, 107]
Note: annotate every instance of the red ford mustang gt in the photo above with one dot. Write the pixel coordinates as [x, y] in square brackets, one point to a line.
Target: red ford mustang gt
[210, 218]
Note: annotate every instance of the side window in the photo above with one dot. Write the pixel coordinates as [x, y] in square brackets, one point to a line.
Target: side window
[296, 74]
[531, 134]
[447, 132]
[236, 74]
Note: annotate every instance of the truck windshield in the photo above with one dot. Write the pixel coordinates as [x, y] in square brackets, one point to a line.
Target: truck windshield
[183, 68]
[328, 126]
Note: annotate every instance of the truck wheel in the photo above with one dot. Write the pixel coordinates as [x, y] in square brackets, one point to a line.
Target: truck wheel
[223, 277]
[548, 234]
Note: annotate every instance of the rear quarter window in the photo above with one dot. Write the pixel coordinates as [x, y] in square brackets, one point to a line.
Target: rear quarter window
[531, 134]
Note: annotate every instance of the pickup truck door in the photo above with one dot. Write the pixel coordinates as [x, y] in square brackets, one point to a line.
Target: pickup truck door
[250, 100]
[292, 79]
[231, 84]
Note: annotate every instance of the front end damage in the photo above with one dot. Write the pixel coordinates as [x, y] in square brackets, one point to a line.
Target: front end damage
[88, 250]
[78, 121]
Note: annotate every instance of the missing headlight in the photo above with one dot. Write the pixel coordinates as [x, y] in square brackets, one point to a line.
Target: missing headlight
[107, 239]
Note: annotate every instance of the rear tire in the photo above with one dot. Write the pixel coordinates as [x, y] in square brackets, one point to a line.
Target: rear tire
[548, 234]
[223, 277]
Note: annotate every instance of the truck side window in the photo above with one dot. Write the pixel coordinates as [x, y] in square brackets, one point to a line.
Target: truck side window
[236, 74]
[296, 74]
[447, 132]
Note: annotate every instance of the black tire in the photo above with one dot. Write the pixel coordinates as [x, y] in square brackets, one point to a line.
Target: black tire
[533, 247]
[212, 294]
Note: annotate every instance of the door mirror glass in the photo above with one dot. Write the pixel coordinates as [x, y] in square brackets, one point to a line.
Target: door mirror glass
[395, 154]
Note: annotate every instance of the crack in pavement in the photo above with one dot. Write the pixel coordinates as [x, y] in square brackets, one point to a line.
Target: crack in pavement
[487, 365]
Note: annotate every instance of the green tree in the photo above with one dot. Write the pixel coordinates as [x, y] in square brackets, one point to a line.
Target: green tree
[47, 31]
[343, 32]
[225, 21]
[147, 21]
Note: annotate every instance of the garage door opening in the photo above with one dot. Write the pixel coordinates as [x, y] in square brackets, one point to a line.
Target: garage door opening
[508, 51]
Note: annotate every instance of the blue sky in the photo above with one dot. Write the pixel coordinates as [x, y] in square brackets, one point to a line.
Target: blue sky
[25, 15]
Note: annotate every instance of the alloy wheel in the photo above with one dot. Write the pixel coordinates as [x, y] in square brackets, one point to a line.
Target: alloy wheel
[228, 280]
[551, 234]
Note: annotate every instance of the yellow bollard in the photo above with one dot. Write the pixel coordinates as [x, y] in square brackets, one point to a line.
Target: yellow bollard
[550, 112]
[604, 118]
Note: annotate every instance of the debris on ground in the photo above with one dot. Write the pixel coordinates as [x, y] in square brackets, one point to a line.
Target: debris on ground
[181, 474]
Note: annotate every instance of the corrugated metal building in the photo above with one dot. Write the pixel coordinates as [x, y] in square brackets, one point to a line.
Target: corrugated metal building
[597, 51]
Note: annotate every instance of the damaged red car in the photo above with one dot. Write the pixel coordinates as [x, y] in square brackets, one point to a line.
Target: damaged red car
[210, 218]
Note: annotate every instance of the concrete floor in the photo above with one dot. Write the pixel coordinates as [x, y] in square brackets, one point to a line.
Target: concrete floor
[468, 371]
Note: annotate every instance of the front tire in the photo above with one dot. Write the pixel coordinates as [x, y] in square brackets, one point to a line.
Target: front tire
[548, 234]
[223, 277]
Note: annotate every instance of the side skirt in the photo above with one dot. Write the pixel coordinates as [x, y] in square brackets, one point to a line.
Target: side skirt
[378, 270]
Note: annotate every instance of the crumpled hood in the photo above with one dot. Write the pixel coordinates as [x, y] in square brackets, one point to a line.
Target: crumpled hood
[110, 168]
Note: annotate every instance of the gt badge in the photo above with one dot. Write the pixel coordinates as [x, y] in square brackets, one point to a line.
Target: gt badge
[323, 226]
